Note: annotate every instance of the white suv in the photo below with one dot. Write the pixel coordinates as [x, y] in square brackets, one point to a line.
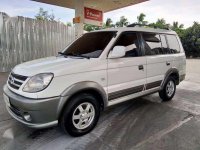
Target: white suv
[99, 69]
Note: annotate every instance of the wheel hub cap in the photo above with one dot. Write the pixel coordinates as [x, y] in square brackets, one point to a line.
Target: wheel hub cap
[83, 115]
[170, 88]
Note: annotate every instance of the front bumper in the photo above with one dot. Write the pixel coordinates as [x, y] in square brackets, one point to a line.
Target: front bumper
[43, 112]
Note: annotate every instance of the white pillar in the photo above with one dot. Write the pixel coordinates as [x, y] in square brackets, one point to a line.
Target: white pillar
[79, 12]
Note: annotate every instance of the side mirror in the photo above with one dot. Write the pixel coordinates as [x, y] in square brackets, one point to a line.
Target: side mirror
[117, 52]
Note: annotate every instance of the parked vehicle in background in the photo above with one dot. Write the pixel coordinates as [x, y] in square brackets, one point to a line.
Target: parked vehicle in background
[99, 69]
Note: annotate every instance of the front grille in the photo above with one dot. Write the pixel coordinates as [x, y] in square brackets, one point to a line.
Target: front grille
[15, 80]
[16, 111]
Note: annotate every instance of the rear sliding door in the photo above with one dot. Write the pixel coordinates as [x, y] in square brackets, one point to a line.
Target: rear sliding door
[158, 59]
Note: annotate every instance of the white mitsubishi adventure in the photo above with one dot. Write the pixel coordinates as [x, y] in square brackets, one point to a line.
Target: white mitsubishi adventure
[99, 69]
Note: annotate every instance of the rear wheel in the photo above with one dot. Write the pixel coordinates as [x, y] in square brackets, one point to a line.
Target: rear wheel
[168, 92]
[81, 115]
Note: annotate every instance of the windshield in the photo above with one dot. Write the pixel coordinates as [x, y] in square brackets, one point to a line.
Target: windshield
[90, 45]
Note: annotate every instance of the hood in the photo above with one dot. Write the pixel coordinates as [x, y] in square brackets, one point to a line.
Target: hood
[56, 65]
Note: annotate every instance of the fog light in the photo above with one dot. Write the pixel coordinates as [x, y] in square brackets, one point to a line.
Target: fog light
[27, 117]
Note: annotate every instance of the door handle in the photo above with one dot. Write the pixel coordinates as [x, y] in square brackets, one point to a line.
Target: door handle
[167, 63]
[141, 67]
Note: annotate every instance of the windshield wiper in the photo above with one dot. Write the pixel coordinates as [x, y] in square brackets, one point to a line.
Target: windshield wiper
[61, 53]
[75, 55]
[78, 55]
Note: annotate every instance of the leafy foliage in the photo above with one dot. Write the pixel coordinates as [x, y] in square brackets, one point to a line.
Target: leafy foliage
[122, 22]
[191, 40]
[44, 15]
[69, 24]
[160, 23]
[109, 23]
[88, 27]
[140, 19]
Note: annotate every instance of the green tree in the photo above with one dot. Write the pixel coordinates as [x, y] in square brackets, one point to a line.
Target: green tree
[122, 22]
[89, 27]
[176, 25]
[191, 40]
[109, 23]
[140, 19]
[161, 23]
[69, 24]
[179, 28]
[44, 15]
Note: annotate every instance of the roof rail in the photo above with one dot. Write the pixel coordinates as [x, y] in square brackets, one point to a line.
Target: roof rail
[135, 24]
[145, 25]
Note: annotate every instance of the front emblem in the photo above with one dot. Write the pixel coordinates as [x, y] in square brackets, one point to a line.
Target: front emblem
[12, 80]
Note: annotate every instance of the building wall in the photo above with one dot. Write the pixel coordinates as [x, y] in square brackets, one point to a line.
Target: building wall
[23, 39]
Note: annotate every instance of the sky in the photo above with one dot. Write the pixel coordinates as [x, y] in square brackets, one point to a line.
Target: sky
[183, 11]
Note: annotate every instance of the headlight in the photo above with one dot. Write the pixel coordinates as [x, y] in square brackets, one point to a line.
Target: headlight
[38, 82]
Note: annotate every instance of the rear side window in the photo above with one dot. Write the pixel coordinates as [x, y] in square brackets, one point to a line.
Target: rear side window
[152, 44]
[165, 48]
[173, 44]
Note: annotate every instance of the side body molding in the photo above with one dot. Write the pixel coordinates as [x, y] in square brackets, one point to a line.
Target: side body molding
[168, 73]
[78, 87]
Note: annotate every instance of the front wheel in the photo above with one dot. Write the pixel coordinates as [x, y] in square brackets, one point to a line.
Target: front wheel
[81, 115]
[168, 92]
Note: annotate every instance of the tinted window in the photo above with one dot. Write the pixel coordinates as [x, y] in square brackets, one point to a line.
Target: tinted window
[130, 41]
[152, 44]
[173, 44]
[90, 44]
[165, 48]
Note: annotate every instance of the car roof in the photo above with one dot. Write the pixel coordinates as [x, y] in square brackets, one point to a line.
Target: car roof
[139, 29]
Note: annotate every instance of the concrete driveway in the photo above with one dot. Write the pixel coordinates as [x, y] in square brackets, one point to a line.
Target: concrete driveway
[143, 124]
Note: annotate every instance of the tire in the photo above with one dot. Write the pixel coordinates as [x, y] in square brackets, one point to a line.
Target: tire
[74, 122]
[167, 94]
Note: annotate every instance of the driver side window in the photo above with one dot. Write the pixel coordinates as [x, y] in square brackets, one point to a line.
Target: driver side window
[130, 41]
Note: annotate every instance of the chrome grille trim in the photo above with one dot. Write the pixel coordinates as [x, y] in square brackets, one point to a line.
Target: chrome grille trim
[15, 81]
[14, 84]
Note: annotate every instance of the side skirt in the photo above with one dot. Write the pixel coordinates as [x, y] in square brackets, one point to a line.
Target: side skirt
[132, 96]
[125, 92]
[153, 84]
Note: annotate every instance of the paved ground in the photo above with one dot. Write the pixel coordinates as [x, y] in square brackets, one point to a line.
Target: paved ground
[142, 124]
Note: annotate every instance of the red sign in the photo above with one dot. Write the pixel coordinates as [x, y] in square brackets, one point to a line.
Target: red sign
[92, 14]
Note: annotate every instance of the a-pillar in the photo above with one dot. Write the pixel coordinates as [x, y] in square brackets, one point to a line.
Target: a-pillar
[79, 12]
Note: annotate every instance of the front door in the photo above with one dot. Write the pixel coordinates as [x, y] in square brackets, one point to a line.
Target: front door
[127, 75]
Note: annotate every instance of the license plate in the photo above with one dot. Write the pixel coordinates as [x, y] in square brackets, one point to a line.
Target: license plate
[6, 99]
